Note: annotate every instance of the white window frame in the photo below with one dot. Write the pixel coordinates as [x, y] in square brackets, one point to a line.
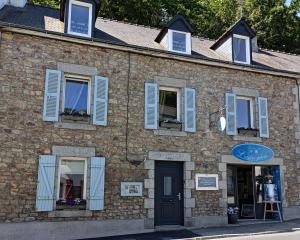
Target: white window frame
[85, 174]
[188, 41]
[77, 78]
[251, 109]
[83, 4]
[178, 107]
[247, 48]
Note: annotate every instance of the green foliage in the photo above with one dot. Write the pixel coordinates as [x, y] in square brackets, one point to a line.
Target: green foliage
[277, 25]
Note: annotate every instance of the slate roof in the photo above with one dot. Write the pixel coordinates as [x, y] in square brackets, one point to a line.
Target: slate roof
[115, 32]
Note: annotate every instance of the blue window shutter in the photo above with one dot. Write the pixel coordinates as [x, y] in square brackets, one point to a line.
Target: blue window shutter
[96, 200]
[189, 110]
[100, 101]
[51, 97]
[151, 104]
[45, 188]
[231, 128]
[263, 117]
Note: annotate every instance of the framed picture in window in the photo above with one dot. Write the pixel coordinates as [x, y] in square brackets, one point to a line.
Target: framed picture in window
[131, 189]
[207, 181]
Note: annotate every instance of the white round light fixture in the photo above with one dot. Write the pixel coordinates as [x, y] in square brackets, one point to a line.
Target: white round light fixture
[221, 124]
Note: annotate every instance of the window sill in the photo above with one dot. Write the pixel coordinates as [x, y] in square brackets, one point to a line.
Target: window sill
[247, 138]
[70, 213]
[173, 133]
[76, 126]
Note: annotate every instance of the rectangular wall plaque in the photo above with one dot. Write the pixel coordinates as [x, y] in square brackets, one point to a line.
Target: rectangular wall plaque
[207, 181]
[131, 189]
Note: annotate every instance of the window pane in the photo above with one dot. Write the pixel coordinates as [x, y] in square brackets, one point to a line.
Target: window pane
[243, 113]
[167, 105]
[79, 19]
[167, 186]
[179, 42]
[239, 49]
[76, 95]
[71, 187]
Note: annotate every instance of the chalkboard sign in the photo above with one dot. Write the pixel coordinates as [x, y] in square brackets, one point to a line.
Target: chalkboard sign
[207, 181]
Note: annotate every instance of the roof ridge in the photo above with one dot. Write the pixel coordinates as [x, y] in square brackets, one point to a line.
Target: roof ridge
[279, 51]
[129, 23]
[42, 6]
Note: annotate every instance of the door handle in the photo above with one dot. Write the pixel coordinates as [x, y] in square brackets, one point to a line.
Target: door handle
[179, 196]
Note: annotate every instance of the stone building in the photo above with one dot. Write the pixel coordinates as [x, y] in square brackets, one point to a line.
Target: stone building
[108, 127]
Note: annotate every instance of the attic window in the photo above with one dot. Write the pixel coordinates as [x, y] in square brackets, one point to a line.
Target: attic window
[241, 49]
[80, 18]
[179, 42]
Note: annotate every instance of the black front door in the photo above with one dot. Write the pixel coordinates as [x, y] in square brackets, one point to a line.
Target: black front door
[168, 193]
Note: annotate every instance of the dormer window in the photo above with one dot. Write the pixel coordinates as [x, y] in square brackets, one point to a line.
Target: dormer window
[176, 35]
[179, 42]
[80, 18]
[241, 49]
[234, 44]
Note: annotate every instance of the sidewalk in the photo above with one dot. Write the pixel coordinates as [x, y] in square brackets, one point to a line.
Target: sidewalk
[255, 228]
[232, 231]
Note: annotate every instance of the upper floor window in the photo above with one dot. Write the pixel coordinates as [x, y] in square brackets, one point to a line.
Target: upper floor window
[80, 18]
[244, 110]
[179, 41]
[241, 49]
[169, 105]
[77, 96]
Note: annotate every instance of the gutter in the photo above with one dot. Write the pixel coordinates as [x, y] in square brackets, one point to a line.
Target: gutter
[142, 50]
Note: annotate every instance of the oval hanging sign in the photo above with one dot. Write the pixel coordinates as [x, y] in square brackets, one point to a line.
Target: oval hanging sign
[252, 152]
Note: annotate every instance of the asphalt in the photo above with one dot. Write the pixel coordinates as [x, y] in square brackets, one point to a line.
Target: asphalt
[259, 229]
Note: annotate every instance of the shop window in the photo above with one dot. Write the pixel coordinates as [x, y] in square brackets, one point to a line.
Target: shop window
[80, 18]
[169, 108]
[71, 190]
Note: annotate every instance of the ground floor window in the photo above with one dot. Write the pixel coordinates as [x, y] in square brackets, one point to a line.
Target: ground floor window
[249, 187]
[71, 183]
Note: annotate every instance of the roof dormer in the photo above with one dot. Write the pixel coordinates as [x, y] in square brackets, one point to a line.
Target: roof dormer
[235, 44]
[79, 16]
[176, 35]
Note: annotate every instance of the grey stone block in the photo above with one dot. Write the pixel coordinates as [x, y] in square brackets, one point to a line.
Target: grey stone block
[149, 164]
[189, 166]
[149, 183]
[149, 203]
[169, 156]
[189, 203]
[70, 151]
[149, 223]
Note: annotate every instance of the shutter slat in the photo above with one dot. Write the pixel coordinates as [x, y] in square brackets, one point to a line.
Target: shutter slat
[100, 101]
[190, 110]
[51, 96]
[263, 117]
[231, 128]
[45, 188]
[151, 103]
[96, 200]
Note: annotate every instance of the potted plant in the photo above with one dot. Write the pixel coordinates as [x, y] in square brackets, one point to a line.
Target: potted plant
[233, 215]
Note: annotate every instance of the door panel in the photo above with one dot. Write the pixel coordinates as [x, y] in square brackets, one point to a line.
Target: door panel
[168, 193]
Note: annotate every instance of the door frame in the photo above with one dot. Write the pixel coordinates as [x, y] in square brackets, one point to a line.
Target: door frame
[181, 203]
[188, 202]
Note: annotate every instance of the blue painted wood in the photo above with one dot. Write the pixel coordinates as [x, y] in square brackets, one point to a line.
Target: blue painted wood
[151, 105]
[45, 188]
[96, 201]
[51, 96]
[251, 152]
[100, 101]
[189, 110]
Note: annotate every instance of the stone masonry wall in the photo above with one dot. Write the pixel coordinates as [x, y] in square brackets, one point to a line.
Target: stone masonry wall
[24, 136]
